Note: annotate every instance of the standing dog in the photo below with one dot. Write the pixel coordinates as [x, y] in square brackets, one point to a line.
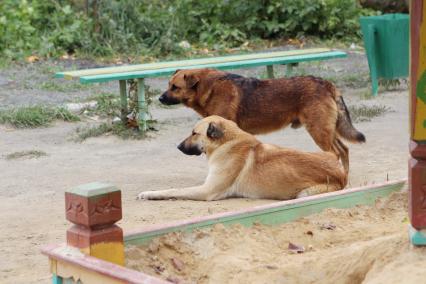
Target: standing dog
[261, 106]
[242, 166]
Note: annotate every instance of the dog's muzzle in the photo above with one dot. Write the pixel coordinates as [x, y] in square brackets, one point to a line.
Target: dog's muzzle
[167, 100]
[189, 150]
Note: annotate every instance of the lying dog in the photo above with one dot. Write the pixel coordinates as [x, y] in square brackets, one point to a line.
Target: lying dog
[261, 106]
[242, 166]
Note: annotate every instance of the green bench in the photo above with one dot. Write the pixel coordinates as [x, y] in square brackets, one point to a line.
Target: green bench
[160, 69]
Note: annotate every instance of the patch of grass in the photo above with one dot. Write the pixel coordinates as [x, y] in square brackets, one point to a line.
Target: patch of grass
[107, 105]
[361, 113]
[118, 129]
[35, 116]
[62, 87]
[31, 154]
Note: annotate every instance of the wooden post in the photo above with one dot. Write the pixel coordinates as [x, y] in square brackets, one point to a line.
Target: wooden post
[94, 208]
[123, 100]
[270, 71]
[417, 164]
[142, 106]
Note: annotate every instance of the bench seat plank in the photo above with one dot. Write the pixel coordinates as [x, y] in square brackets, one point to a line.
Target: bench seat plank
[188, 63]
[149, 73]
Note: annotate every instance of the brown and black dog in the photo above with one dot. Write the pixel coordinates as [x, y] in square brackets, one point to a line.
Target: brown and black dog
[261, 106]
[242, 166]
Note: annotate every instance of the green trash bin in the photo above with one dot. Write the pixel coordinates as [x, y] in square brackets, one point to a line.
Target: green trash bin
[386, 40]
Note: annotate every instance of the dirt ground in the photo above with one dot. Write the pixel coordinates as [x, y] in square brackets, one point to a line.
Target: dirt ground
[32, 190]
[364, 244]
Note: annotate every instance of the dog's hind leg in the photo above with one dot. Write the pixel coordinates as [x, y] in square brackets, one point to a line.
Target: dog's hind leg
[317, 189]
[320, 122]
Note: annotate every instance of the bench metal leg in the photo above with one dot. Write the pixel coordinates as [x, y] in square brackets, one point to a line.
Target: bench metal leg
[289, 70]
[142, 106]
[270, 71]
[123, 100]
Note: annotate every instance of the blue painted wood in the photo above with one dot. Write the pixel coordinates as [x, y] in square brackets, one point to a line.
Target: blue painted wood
[417, 238]
[56, 279]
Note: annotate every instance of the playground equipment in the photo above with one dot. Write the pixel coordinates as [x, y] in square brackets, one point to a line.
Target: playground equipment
[417, 165]
[94, 252]
[386, 44]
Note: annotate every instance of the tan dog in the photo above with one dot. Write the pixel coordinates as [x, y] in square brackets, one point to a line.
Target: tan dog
[242, 166]
[261, 106]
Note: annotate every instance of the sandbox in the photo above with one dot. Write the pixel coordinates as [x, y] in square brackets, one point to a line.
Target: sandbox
[96, 255]
[335, 246]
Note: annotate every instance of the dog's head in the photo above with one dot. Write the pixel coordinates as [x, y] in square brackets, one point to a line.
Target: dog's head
[182, 88]
[206, 136]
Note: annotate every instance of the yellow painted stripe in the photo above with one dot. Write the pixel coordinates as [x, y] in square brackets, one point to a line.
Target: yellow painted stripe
[108, 251]
[183, 63]
[420, 115]
[74, 272]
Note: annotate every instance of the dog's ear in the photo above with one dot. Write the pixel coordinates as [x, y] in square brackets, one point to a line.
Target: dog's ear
[177, 70]
[191, 81]
[214, 131]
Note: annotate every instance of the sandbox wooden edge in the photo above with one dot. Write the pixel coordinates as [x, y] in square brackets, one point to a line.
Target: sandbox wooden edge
[68, 261]
[273, 213]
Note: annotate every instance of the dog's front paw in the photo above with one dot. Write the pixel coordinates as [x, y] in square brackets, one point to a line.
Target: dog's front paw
[144, 195]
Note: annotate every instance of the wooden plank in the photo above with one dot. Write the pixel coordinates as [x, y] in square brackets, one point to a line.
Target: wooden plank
[222, 66]
[71, 262]
[275, 213]
[191, 62]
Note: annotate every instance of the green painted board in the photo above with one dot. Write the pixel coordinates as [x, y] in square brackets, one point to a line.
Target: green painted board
[93, 189]
[223, 66]
[276, 213]
[190, 62]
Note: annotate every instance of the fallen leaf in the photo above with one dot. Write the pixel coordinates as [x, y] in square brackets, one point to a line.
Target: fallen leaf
[177, 263]
[158, 269]
[32, 59]
[295, 248]
[328, 226]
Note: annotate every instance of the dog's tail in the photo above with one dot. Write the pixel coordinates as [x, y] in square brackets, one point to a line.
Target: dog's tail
[344, 123]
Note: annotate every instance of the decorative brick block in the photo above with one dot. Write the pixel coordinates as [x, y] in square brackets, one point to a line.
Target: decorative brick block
[93, 204]
[94, 208]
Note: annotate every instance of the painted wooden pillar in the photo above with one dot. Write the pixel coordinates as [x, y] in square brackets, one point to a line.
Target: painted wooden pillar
[93, 209]
[417, 164]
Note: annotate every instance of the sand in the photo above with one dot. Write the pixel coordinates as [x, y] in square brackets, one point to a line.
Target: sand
[364, 244]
